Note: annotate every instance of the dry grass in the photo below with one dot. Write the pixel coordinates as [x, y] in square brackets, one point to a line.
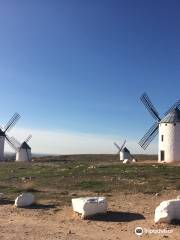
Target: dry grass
[59, 180]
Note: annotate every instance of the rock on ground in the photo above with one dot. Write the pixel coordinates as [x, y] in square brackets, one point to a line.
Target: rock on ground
[89, 206]
[167, 211]
[24, 200]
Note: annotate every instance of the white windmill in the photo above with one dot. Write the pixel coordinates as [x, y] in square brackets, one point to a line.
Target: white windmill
[4, 136]
[23, 150]
[123, 152]
[169, 131]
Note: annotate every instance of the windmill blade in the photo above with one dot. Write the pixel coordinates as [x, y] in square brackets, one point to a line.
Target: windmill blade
[175, 105]
[150, 107]
[10, 142]
[153, 135]
[148, 133]
[122, 145]
[149, 136]
[28, 138]
[12, 122]
[15, 142]
[118, 147]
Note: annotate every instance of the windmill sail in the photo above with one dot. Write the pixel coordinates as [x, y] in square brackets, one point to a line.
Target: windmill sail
[149, 136]
[150, 107]
[16, 142]
[118, 147]
[175, 105]
[12, 122]
[11, 143]
[123, 145]
[28, 138]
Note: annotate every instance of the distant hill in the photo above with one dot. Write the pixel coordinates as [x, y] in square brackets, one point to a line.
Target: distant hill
[92, 157]
[81, 157]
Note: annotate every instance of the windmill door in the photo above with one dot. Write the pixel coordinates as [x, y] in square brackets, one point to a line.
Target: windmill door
[162, 155]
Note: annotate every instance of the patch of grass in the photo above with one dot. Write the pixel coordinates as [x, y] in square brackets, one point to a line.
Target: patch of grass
[91, 184]
[95, 186]
[56, 180]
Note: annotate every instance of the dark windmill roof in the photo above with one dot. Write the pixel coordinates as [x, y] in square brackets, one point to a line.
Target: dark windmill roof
[172, 117]
[2, 133]
[126, 150]
[25, 145]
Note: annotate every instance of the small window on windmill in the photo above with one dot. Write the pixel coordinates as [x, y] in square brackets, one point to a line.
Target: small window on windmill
[162, 138]
[174, 124]
[166, 124]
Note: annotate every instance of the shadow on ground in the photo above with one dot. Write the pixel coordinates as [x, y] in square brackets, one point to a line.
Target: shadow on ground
[5, 201]
[41, 206]
[117, 217]
[33, 206]
[175, 222]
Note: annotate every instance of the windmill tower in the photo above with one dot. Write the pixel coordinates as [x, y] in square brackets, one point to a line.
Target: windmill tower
[4, 136]
[169, 131]
[23, 150]
[123, 152]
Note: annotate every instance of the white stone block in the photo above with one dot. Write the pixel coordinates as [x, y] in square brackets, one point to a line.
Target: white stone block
[89, 206]
[126, 161]
[167, 211]
[24, 200]
[1, 195]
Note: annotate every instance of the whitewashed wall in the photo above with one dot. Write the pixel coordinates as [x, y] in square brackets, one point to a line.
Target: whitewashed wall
[124, 155]
[2, 139]
[23, 155]
[171, 142]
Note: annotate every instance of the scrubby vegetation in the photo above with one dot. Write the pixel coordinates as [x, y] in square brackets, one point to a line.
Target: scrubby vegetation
[60, 180]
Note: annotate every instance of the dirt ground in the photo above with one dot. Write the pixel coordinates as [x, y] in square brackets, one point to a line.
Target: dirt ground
[49, 222]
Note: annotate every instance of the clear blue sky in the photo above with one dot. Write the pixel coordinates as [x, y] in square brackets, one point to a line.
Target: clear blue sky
[81, 66]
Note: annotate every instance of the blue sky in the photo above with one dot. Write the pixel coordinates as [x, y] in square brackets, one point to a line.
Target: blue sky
[79, 67]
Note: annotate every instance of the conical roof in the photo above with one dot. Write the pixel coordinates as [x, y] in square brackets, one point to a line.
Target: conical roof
[2, 133]
[125, 150]
[25, 145]
[172, 117]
